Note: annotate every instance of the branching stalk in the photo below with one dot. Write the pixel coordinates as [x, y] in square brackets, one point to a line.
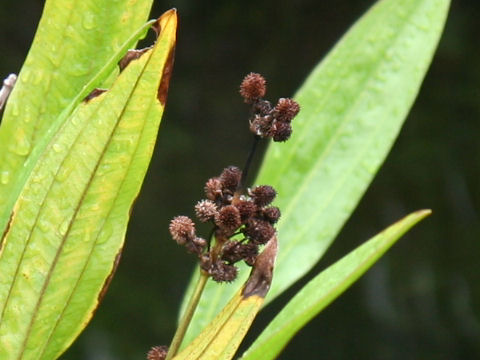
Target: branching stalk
[248, 162]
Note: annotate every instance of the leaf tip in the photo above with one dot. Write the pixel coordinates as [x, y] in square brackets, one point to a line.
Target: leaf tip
[167, 19]
[423, 213]
[166, 26]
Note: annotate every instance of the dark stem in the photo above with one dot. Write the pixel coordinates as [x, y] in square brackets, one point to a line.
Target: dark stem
[248, 163]
[209, 241]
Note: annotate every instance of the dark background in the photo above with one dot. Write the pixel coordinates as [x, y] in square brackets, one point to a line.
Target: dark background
[421, 301]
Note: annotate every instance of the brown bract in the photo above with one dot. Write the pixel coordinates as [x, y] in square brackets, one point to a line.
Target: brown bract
[262, 273]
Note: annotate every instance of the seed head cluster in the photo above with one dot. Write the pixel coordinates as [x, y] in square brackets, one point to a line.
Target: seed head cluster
[242, 220]
[242, 223]
[267, 121]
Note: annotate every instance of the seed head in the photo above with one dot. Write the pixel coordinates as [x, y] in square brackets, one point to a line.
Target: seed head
[253, 87]
[263, 195]
[230, 178]
[157, 353]
[286, 109]
[281, 131]
[234, 251]
[205, 210]
[247, 209]
[228, 218]
[182, 229]
[271, 214]
[199, 241]
[259, 231]
[213, 188]
[222, 272]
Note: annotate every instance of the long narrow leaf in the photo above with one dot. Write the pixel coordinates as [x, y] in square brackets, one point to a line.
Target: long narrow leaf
[324, 288]
[73, 41]
[353, 106]
[68, 225]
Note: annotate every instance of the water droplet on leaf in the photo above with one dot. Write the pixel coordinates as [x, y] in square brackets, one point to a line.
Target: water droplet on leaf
[22, 145]
[57, 147]
[63, 173]
[64, 227]
[44, 225]
[88, 20]
[5, 177]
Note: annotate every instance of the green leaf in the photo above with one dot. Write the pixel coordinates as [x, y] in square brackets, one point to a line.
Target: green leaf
[325, 288]
[353, 106]
[11, 189]
[73, 42]
[221, 338]
[68, 224]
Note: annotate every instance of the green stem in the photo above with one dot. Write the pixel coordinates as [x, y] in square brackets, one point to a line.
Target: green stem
[187, 316]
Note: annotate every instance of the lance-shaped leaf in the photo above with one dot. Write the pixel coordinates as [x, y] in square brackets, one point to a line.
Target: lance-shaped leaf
[222, 337]
[68, 225]
[352, 108]
[324, 288]
[11, 189]
[73, 42]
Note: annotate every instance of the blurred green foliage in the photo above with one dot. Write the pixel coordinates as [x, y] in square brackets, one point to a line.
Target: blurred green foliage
[421, 301]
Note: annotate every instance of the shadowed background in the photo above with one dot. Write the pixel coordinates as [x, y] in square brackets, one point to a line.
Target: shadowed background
[421, 301]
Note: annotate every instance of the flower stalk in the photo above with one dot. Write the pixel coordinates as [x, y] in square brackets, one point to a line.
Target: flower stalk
[187, 316]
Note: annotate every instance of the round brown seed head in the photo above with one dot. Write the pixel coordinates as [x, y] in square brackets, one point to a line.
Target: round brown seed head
[246, 208]
[230, 178]
[271, 214]
[281, 131]
[213, 188]
[230, 252]
[222, 272]
[263, 195]
[253, 87]
[182, 229]
[205, 210]
[157, 353]
[259, 231]
[286, 109]
[262, 107]
[234, 251]
[228, 218]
